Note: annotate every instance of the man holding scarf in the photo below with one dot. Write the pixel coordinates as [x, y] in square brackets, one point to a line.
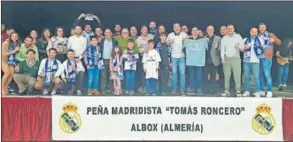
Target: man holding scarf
[48, 68]
[252, 52]
[74, 75]
[268, 40]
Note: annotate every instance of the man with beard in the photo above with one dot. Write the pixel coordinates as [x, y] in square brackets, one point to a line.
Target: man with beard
[117, 30]
[28, 44]
[48, 68]
[77, 43]
[133, 33]
[268, 41]
[153, 28]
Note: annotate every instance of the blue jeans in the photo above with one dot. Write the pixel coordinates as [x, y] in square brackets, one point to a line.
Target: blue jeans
[178, 62]
[265, 72]
[129, 80]
[151, 86]
[283, 74]
[254, 68]
[93, 79]
[195, 77]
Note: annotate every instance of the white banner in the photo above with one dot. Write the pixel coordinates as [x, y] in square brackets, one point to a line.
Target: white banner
[166, 118]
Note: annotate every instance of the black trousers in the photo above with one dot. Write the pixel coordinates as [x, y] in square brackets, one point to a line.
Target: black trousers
[78, 85]
[140, 74]
[210, 84]
[106, 83]
[163, 78]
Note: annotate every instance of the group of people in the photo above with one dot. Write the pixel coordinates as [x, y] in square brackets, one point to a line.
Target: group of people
[125, 62]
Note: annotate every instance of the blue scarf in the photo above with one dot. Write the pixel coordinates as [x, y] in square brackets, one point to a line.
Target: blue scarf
[267, 38]
[71, 73]
[11, 58]
[132, 60]
[116, 63]
[50, 70]
[91, 56]
[258, 50]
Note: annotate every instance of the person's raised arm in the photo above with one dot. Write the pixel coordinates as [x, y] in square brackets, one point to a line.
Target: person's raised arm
[77, 21]
[98, 21]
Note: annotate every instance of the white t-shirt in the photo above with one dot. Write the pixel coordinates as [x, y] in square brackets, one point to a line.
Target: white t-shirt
[176, 42]
[253, 58]
[78, 44]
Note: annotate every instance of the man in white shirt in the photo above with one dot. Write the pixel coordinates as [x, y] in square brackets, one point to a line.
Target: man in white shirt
[252, 51]
[231, 44]
[77, 43]
[73, 79]
[47, 69]
[175, 39]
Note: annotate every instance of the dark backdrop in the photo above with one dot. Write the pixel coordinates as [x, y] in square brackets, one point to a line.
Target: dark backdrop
[25, 16]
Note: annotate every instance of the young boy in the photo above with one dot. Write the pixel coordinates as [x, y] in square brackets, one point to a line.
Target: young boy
[91, 61]
[151, 60]
[164, 50]
[130, 59]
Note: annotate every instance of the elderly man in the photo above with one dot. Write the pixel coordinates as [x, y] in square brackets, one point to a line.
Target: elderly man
[175, 39]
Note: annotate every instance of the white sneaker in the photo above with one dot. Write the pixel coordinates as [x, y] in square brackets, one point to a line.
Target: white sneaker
[256, 94]
[262, 93]
[46, 91]
[284, 85]
[269, 95]
[238, 94]
[53, 92]
[246, 94]
[79, 93]
[225, 94]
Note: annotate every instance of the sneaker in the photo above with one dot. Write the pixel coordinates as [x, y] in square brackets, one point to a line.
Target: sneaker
[174, 92]
[90, 92]
[140, 90]
[78, 92]
[256, 94]
[269, 94]
[154, 94]
[199, 93]
[54, 91]
[246, 94]
[164, 93]
[96, 92]
[225, 94]
[238, 94]
[131, 93]
[108, 91]
[280, 88]
[46, 92]
[190, 91]
[262, 93]
[126, 92]
[182, 93]
[284, 85]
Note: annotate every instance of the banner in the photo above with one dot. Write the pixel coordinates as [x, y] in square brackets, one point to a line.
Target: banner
[166, 118]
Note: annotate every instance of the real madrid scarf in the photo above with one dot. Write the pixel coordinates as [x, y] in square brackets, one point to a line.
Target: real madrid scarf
[266, 38]
[258, 50]
[91, 56]
[11, 58]
[50, 70]
[71, 72]
[116, 63]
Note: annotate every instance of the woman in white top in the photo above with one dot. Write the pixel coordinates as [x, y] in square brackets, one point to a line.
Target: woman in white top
[59, 42]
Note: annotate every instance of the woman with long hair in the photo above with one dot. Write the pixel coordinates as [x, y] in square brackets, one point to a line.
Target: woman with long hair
[59, 42]
[43, 43]
[9, 49]
[34, 34]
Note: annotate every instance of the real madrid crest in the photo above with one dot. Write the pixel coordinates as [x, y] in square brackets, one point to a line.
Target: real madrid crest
[70, 120]
[263, 121]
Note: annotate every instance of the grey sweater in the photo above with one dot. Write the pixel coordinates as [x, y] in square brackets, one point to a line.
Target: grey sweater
[231, 46]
